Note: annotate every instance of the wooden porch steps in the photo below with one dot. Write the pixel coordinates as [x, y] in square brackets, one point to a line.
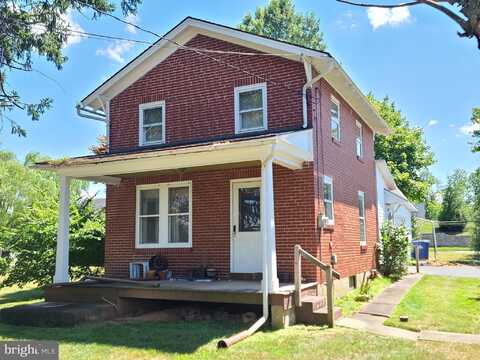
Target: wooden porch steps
[314, 311]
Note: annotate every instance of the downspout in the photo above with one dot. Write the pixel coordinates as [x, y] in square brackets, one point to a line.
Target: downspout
[308, 84]
[226, 343]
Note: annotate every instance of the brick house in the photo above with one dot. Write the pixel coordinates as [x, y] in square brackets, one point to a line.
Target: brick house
[225, 149]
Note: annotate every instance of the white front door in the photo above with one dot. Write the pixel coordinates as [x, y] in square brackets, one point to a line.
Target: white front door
[246, 249]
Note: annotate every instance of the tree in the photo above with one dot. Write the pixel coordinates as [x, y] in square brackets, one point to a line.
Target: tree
[433, 207]
[28, 224]
[39, 27]
[466, 13]
[475, 130]
[475, 186]
[454, 205]
[405, 151]
[279, 20]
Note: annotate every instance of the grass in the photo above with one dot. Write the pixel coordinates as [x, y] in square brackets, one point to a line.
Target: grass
[441, 303]
[454, 256]
[197, 340]
[350, 305]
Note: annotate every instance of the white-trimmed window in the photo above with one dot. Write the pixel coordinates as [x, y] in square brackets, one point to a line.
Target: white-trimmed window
[152, 123]
[335, 119]
[359, 140]
[164, 215]
[361, 217]
[251, 108]
[328, 199]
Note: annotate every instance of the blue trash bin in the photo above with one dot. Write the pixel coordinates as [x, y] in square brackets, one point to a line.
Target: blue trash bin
[424, 245]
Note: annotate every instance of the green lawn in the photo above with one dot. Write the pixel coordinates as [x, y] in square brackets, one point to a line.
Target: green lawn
[197, 340]
[350, 305]
[454, 255]
[441, 303]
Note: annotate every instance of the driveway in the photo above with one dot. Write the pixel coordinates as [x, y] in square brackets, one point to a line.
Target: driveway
[458, 270]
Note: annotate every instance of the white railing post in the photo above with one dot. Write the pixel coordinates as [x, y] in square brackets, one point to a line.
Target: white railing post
[298, 276]
[63, 246]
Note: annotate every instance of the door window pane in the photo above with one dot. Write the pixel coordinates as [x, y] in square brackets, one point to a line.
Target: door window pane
[249, 209]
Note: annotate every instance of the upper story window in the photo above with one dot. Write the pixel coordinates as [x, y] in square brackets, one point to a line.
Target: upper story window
[359, 140]
[335, 119]
[361, 217]
[251, 108]
[164, 214]
[328, 198]
[152, 123]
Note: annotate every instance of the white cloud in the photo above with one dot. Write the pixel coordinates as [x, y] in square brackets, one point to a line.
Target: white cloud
[468, 129]
[432, 123]
[116, 50]
[73, 38]
[134, 19]
[379, 17]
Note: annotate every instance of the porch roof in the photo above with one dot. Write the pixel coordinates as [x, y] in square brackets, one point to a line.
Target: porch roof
[289, 149]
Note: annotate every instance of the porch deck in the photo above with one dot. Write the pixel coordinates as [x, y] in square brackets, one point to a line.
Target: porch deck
[217, 291]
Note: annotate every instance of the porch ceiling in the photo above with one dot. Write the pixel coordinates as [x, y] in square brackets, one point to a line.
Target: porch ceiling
[290, 150]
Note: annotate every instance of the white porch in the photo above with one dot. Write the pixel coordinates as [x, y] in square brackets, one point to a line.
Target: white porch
[289, 150]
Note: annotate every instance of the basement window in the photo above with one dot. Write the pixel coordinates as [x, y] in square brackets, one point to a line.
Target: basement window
[250, 108]
[164, 214]
[152, 123]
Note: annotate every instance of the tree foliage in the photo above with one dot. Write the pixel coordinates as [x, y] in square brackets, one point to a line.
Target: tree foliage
[466, 13]
[279, 20]
[475, 186]
[405, 151]
[393, 252]
[41, 27]
[476, 130]
[28, 224]
[454, 205]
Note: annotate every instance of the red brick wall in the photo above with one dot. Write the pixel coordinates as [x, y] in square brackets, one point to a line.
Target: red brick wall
[211, 220]
[350, 175]
[199, 94]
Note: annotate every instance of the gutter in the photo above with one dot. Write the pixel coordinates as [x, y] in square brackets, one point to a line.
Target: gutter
[84, 112]
[308, 84]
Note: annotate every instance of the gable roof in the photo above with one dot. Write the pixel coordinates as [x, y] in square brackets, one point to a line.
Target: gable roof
[391, 185]
[188, 28]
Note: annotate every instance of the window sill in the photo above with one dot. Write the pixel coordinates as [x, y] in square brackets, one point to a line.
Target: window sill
[360, 158]
[247, 131]
[336, 142]
[329, 227]
[153, 143]
[164, 246]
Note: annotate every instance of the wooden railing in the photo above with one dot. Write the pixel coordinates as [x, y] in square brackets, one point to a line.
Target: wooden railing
[330, 274]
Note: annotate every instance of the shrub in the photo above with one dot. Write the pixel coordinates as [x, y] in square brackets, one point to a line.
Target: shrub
[394, 250]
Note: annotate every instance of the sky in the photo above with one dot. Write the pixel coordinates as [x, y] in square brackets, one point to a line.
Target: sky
[413, 55]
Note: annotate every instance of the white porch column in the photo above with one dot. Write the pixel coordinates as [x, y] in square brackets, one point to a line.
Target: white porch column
[268, 224]
[61, 262]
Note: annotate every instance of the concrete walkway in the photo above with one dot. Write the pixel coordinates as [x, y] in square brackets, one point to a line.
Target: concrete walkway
[371, 316]
[459, 270]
